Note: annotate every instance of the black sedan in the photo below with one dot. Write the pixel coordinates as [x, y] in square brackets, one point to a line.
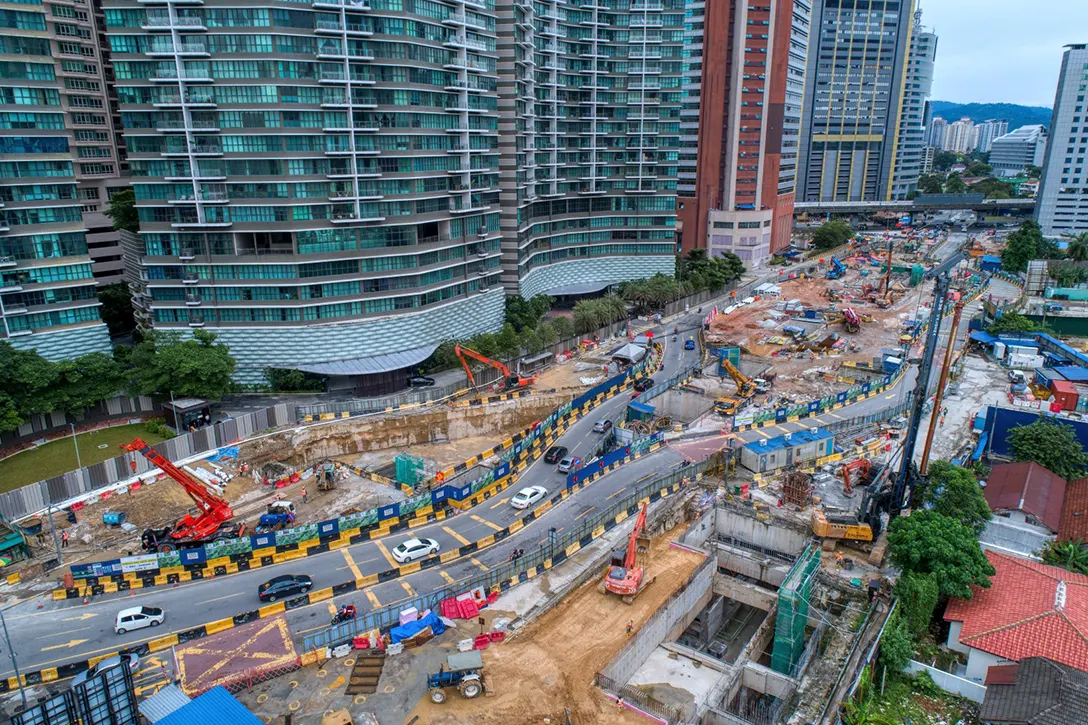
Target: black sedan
[644, 384]
[555, 454]
[285, 586]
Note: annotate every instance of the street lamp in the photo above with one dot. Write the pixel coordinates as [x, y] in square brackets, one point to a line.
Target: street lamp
[11, 653]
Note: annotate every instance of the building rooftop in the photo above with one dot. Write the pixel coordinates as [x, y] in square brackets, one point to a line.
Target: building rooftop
[1043, 693]
[795, 439]
[214, 707]
[1030, 610]
[1074, 522]
[1027, 487]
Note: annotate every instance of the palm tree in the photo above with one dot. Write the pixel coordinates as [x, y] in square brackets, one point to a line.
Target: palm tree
[1078, 247]
[1070, 555]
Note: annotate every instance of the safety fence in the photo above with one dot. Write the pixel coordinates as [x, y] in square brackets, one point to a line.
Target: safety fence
[33, 498]
[634, 697]
[113, 411]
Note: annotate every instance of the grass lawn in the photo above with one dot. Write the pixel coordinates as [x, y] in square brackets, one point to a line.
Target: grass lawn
[57, 457]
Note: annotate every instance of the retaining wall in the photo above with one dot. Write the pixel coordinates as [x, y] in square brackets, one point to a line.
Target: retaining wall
[949, 682]
[766, 535]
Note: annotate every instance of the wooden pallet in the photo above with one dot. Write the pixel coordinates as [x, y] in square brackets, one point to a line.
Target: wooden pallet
[366, 673]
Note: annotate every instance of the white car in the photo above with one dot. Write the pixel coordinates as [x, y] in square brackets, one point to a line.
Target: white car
[131, 659]
[138, 618]
[415, 549]
[526, 497]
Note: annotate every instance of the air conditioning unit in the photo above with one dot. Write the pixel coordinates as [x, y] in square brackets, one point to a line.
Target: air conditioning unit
[482, 233]
[788, 436]
[763, 442]
[481, 255]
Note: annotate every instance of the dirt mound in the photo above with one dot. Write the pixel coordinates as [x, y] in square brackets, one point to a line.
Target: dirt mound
[551, 664]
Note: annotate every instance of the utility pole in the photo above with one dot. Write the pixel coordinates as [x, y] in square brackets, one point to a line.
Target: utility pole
[957, 311]
[14, 665]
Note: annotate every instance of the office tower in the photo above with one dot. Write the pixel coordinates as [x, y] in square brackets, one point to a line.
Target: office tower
[960, 137]
[1012, 153]
[57, 147]
[339, 186]
[1061, 205]
[988, 131]
[853, 90]
[740, 125]
[909, 137]
[935, 132]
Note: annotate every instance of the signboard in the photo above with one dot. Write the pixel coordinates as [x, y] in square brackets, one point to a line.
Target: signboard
[139, 563]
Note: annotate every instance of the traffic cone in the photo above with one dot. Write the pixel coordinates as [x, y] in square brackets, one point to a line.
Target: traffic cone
[86, 600]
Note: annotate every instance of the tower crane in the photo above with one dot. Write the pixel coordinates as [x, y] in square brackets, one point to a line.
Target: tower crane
[210, 524]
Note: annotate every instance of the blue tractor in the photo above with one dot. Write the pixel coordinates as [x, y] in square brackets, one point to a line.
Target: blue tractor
[463, 670]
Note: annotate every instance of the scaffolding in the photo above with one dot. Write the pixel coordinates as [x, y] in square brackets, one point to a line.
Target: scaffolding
[797, 488]
[410, 470]
[793, 598]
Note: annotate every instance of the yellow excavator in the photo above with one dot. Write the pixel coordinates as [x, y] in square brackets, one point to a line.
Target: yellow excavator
[746, 388]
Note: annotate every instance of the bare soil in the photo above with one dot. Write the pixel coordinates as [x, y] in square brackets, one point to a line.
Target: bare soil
[550, 665]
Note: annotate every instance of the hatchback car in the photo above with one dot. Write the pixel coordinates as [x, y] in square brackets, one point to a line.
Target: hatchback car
[554, 454]
[644, 384]
[415, 549]
[526, 497]
[138, 618]
[420, 381]
[602, 426]
[565, 465]
[284, 586]
[131, 659]
[689, 344]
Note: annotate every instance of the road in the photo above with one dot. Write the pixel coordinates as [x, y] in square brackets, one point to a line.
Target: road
[67, 631]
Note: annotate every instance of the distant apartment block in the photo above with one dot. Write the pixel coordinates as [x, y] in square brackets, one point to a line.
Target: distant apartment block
[987, 132]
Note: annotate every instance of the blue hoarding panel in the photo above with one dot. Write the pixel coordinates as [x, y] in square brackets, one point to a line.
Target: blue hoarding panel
[331, 527]
[389, 512]
[261, 541]
[193, 556]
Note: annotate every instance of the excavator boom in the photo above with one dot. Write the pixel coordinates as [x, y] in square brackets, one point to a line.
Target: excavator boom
[628, 580]
[510, 380]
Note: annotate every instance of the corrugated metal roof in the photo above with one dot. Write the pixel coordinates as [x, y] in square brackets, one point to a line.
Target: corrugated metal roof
[214, 707]
[167, 700]
[798, 438]
[1073, 373]
[371, 365]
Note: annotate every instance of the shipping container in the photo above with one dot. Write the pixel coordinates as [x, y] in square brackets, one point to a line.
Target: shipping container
[1064, 393]
[999, 350]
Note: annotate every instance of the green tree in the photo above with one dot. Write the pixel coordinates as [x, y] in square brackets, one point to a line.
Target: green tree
[1013, 322]
[84, 381]
[530, 342]
[286, 380]
[164, 363]
[27, 381]
[1070, 555]
[1052, 445]
[863, 707]
[1033, 172]
[116, 308]
[896, 645]
[993, 188]
[954, 185]
[564, 328]
[523, 313]
[546, 333]
[1024, 245]
[953, 491]
[122, 211]
[1078, 247]
[508, 341]
[917, 595]
[832, 234]
[929, 184]
[943, 160]
[927, 542]
[978, 168]
[1066, 274]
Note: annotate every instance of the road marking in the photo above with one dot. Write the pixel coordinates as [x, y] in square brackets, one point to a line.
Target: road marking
[474, 517]
[219, 599]
[351, 564]
[889, 396]
[63, 634]
[446, 575]
[778, 427]
[835, 416]
[461, 539]
[373, 599]
[408, 588]
[584, 513]
[72, 643]
[332, 608]
[385, 552]
[617, 493]
[80, 618]
[500, 502]
[483, 567]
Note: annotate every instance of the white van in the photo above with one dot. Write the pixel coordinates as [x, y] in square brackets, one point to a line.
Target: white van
[138, 618]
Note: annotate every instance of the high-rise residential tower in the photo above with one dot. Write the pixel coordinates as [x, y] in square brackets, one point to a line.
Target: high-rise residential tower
[962, 136]
[988, 131]
[337, 186]
[910, 135]
[853, 92]
[936, 130]
[57, 148]
[1061, 206]
[740, 125]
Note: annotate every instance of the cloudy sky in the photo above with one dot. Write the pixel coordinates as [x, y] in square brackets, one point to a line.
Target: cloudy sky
[1010, 51]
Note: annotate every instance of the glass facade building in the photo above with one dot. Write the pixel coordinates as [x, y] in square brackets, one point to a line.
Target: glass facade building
[51, 95]
[330, 183]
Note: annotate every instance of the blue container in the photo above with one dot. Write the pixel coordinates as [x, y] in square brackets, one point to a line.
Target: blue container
[113, 518]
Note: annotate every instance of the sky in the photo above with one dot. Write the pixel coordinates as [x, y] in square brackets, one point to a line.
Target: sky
[1002, 51]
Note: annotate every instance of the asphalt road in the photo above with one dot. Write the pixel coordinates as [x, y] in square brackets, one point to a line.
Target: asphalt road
[65, 631]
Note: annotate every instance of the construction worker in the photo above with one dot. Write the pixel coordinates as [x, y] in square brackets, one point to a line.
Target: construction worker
[619, 705]
[64, 539]
[630, 627]
[303, 494]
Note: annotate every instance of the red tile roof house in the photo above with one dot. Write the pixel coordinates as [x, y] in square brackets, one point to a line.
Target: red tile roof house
[1028, 493]
[1031, 610]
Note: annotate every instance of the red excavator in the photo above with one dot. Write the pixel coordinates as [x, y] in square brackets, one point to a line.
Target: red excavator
[625, 578]
[861, 468]
[851, 320]
[211, 524]
[511, 381]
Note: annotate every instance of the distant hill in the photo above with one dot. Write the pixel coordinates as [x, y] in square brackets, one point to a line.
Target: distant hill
[1017, 116]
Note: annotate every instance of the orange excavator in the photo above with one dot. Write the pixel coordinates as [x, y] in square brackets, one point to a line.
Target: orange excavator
[511, 381]
[861, 468]
[627, 579]
[210, 524]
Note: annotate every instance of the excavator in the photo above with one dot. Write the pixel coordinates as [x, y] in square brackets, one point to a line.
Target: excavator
[860, 467]
[850, 320]
[746, 388]
[626, 579]
[211, 524]
[511, 381]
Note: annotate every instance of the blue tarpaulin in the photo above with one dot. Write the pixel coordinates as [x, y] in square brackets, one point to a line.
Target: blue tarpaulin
[982, 441]
[228, 452]
[407, 631]
[984, 337]
[641, 407]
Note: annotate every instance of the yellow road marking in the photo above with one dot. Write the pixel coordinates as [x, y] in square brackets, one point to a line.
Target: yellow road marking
[483, 567]
[332, 608]
[385, 552]
[778, 427]
[835, 415]
[496, 527]
[408, 588]
[584, 513]
[351, 564]
[500, 502]
[446, 575]
[461, 539]
[889, 396]
[373, 599]
[617, 493]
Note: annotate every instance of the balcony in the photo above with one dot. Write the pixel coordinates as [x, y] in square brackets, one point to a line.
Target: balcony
[326, 27]
[360, 5]
[193, 300]
[190, 278]
[195, 50]
[352, 217]
[8, 262]
[180, 127]
[196, 320]
[15, 308]
[179, 22]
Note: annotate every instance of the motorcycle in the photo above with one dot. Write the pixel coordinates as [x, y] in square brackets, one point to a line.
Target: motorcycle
[516, 554]
[346, 614]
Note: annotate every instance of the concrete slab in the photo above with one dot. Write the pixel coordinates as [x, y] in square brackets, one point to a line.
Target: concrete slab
[680, 682]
